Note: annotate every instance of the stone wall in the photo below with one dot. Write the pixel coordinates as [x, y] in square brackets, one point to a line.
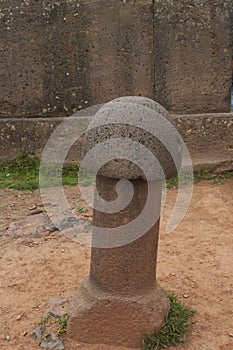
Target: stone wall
[193, 51]
[60, 56]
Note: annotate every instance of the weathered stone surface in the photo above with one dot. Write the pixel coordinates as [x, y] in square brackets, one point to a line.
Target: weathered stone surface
[193, 53]
[208, 139]
[60, 56]
[30, 135]
[207, 133]
[133, 133]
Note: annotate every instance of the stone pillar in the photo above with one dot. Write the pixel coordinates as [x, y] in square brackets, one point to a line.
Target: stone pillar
[121, 299]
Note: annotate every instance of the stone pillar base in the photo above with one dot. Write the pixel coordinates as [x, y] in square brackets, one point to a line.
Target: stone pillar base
[98, 317]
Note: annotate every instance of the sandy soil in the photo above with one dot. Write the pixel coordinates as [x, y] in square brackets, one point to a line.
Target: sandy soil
[195, 263]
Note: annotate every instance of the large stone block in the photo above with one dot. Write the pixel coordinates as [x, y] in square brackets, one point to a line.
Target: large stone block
[22, 69]
[193, 55]
[60, 56]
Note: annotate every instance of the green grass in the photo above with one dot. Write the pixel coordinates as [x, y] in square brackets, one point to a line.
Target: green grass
[62, 325]
[199, 175]
[44, 319]
[23, 174]
[81, 210]
[175, 329]
[53, 325]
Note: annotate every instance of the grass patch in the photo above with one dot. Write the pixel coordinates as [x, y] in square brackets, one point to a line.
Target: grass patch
[23, 174]
[199, 175]
[175, 328]
[44, 319]
[53, 328]
[81, 210]
[62, 325]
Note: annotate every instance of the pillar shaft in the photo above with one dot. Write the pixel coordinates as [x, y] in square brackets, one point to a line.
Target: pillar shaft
[131, 267]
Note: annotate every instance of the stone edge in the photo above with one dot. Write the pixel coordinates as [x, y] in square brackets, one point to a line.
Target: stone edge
[208, 137]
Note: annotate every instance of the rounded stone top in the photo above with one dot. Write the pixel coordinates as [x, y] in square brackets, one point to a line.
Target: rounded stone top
[146, 102]
[132, 137]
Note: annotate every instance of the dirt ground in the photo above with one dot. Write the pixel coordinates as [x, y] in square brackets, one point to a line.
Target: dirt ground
[195, 262]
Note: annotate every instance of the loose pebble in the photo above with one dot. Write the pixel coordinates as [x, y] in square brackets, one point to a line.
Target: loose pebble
[33, 207]
[19, 317]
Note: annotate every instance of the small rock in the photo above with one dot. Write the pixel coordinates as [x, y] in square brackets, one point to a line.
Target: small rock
[8, 338]
[18, 318]
[231, 335]
[50, 228]
[37, 333]
[185, 296]
[33, 207]
[53, 344]
[25, 333]
[36, 211]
